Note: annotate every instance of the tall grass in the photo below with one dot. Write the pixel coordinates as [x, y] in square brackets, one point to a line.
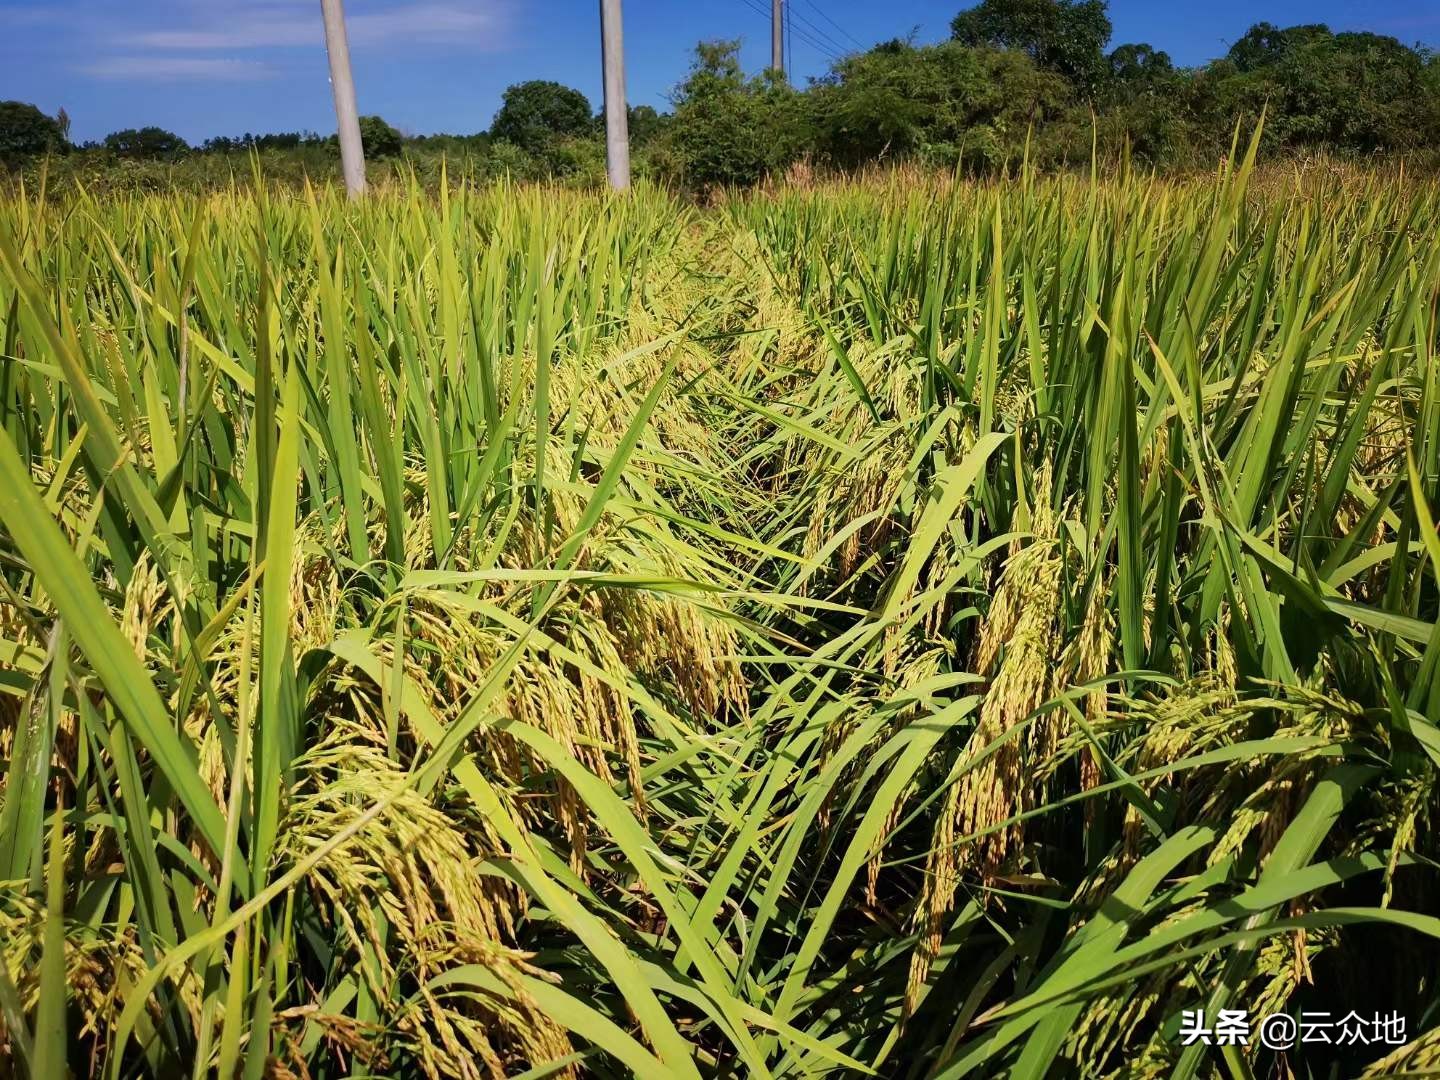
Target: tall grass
[911, 629]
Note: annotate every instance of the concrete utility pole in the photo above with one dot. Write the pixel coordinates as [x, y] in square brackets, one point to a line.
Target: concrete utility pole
[617, 122]
[352, 154]
[777, 36]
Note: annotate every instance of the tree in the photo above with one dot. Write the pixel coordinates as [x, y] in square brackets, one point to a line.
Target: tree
[645, 124]
[1140, 64]
[26, 132]
[378, 138]
[533, 115]
[1357, 92]
[1266, 44]
[1064, 36]
[730, 130]
[146, 142]
[941, 101]
[1138, 72]
[1144, 104]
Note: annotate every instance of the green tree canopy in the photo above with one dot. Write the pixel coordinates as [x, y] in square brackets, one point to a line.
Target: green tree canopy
[1350, 91]
[25, 131]
[1266, 44]
[379, 138]
[1064, 36]
[1140, 64]
[943, 100]
[146, 142]
[728, 129]
[644, 124]
[535, 114]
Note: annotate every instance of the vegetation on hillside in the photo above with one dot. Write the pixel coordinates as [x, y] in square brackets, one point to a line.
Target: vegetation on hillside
[914, 628]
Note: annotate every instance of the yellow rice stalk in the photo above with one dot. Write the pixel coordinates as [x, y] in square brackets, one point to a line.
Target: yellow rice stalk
[1018, 636]
[99, 967]
[419, 870]
[1419, 1057]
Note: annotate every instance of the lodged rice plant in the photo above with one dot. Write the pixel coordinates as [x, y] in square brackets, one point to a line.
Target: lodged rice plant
[899, 628]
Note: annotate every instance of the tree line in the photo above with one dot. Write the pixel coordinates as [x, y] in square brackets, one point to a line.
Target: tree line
[1016, 78]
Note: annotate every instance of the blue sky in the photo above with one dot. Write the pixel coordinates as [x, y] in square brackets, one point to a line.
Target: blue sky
[208, 67]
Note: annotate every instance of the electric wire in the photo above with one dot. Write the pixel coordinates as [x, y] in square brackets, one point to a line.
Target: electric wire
[846, 33]
[791, 13]
[824, 50]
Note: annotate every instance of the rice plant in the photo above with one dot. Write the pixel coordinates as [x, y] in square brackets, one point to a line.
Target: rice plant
[899, 627]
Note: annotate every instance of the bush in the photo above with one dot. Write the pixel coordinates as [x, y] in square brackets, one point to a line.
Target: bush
[580, 160]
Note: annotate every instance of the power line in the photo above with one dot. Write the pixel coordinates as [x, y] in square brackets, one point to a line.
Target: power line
[816, 31]
[828, 53]
[828, 48]
[822, 13]
[789, 37]
[754, 6]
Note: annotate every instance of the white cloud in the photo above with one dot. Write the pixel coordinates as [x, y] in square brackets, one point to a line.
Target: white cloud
[287, 25]
[29, 16]
[251, 34]
[473, 23]
[177, 69]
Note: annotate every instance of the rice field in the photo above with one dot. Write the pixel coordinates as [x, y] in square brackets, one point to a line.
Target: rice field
[898, 627]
